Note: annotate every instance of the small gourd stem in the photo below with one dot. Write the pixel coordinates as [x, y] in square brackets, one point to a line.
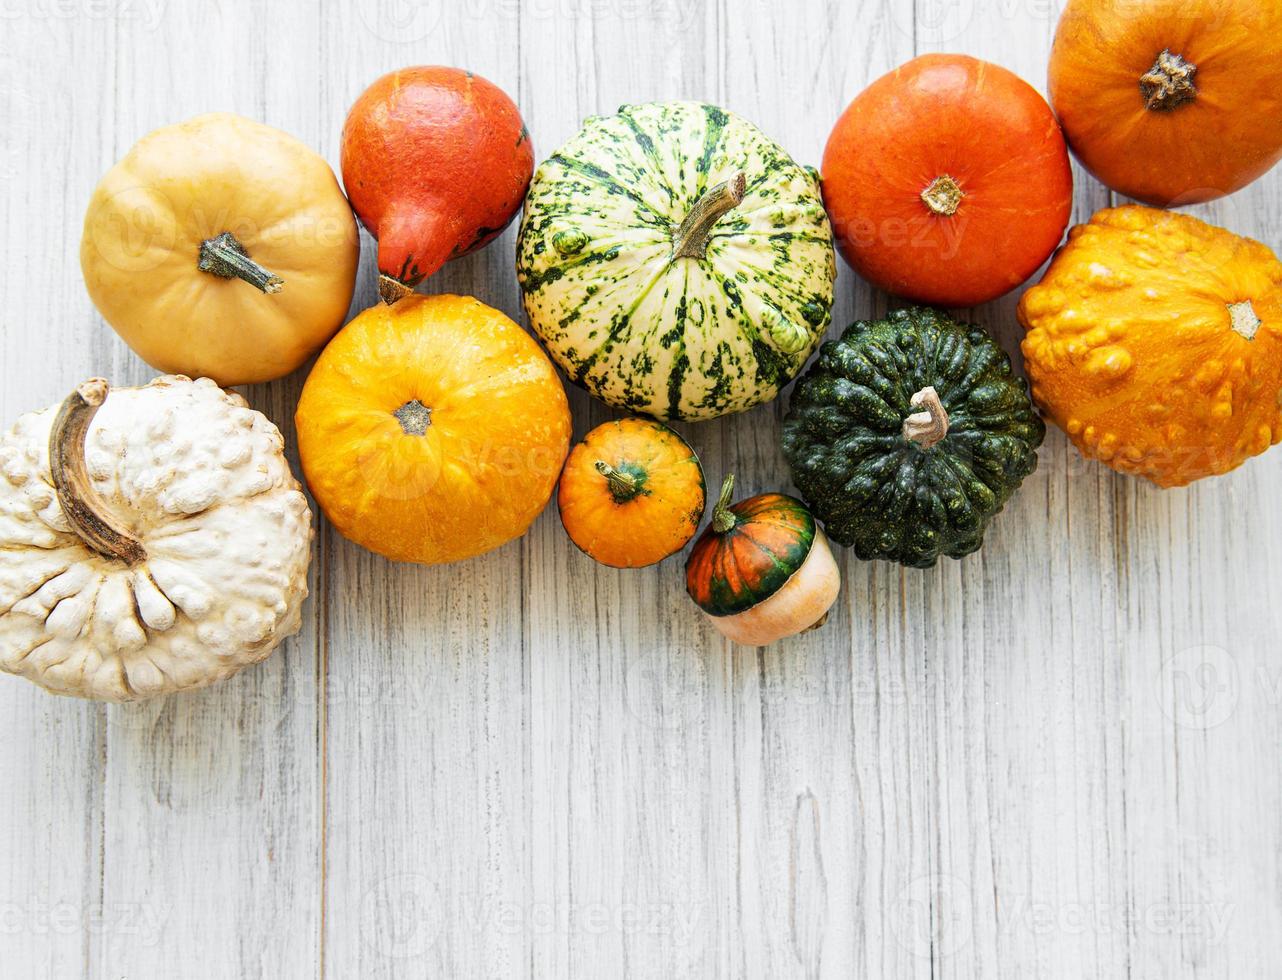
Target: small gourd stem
[1169, 83]
[1244, 319]
[226, 258]
[623, 486]
[723, 518]
[691, 239]
[943, 196]
[85, 509]
[392, 290]
[929, 427]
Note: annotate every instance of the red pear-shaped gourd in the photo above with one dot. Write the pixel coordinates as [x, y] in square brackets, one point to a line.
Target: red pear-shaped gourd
[436, 162]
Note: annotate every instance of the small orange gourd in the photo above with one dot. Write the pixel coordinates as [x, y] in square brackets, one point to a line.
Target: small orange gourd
[1155, 341]
[433, 430]
[632, 493]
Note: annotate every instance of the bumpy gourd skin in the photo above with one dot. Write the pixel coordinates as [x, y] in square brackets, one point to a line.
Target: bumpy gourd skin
[876, 490]
[1132, 349]
[202, 480]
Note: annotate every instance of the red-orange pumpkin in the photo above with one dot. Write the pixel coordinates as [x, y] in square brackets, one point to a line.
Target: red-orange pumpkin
[948, 181]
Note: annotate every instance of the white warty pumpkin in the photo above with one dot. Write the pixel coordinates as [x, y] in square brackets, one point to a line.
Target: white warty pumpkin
[158, 544]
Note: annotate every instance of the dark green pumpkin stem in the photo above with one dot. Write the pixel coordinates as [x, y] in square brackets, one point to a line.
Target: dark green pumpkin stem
[691, 239]
[226, 258]
[723, 518]
[930, 426]
[624, 487]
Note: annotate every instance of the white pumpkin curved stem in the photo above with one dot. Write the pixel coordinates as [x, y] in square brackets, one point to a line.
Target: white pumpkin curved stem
[691, 239]
[226, 258]
[86, 511]
[931, 426]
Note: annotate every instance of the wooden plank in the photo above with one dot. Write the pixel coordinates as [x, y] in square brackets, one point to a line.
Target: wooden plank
[184, 832]
[427, 792]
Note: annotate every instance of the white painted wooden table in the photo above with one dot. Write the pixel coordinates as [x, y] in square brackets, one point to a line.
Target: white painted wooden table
[1058, 758]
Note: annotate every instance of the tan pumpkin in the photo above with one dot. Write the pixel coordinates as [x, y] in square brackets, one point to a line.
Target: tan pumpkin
[1155, 342]
[221, 248]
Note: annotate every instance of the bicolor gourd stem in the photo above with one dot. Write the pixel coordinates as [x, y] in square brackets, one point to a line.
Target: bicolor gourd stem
[392, 290]
[226, 258]
[1244, 319]
[929, 427]
[1169, 83]
[943, 196]
[85, 509]
[623, 486]
[723, 518]
[691, 239]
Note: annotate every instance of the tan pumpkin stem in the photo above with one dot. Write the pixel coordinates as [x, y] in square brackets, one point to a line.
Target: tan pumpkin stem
[723, 518]
[226, 258]
[691, 239]
[929, 427]
[943, 196]
[623, 486]
[1169, 83]
[392, 290]
[1244, 319]
[86, 511]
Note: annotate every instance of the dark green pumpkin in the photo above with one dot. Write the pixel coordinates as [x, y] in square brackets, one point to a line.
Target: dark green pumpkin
[890, 490]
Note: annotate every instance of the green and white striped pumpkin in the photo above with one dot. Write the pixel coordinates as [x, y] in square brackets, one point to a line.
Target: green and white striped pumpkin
[676, 261]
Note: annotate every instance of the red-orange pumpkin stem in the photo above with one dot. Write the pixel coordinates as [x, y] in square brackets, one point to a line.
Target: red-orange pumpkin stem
[723, 518]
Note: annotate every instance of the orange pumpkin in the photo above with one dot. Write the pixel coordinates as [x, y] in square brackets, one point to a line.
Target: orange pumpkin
[632, 493]
[1170, 101]
[1155, 342]
[432, 430]
[947, 181]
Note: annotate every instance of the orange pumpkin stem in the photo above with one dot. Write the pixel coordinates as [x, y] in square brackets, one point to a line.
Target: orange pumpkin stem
[1244, 319]
[929, 427]
[691, 239]
[723, 518]
[226, 258]
[85, 509]
[392, 290]
[1169, 83]
[624, 487]
[943, 196]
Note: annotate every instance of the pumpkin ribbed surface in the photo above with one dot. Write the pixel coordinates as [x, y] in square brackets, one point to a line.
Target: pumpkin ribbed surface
[432, 430]
[732, 571]
[648, 330]
[872, 486]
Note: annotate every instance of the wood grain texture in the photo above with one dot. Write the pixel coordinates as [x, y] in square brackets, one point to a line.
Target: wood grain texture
[1057, 758]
